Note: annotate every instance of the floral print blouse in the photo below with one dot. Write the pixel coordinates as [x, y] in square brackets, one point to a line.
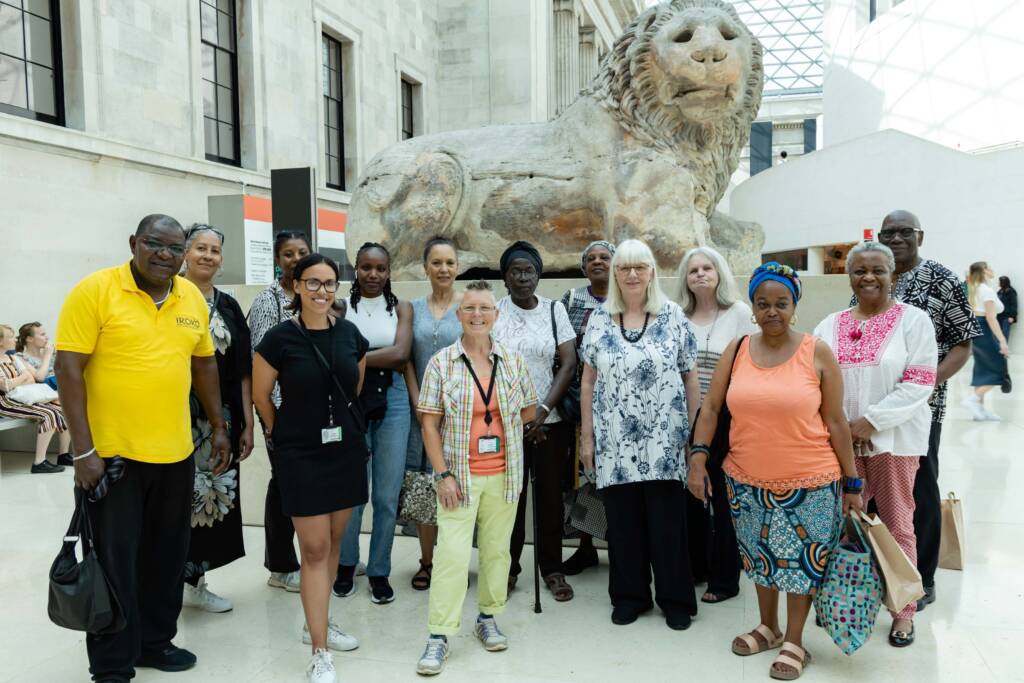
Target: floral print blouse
[641, 424]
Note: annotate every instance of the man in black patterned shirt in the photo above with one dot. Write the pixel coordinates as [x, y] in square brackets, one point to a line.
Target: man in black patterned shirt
[933, 288]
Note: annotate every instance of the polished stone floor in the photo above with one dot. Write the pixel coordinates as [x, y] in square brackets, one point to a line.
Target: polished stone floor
[970, 634]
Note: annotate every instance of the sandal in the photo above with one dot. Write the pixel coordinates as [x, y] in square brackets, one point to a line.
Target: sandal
[559, 588]
[711, 597]
[754, 646]
[792, 656]
[421, 579]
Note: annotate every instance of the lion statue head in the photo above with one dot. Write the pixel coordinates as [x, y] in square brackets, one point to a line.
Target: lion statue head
[686, 77]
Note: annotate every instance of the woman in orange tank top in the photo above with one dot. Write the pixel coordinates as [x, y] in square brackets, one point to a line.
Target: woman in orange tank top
[789, 447]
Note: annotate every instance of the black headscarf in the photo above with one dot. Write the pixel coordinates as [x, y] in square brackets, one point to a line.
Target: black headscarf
[521, 250]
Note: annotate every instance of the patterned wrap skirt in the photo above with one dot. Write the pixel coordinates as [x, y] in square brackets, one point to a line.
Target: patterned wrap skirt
[785, 537]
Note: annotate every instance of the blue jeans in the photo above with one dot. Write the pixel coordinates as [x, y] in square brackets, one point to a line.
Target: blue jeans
[387, 440]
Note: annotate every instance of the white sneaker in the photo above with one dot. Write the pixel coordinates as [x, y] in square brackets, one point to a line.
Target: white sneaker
[360, 569]
[286, 580]
[336, 638]
[487, 632]
[974, 407]
[989, 415]
[321, 668]
[203, 598]
[434, 657]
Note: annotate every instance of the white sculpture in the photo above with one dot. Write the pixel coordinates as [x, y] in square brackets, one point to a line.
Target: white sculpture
[646, 151]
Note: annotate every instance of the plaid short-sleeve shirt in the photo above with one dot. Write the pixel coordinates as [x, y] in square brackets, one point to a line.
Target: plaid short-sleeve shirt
[448, 390]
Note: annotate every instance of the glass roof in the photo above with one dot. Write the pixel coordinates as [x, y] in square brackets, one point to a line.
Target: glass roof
[791, 34]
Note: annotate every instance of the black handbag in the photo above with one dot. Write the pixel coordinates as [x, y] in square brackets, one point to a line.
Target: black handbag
[1006, 386]
[81, 598]
[583, 511]
[569, 405]
[373, 399]
[719, 445]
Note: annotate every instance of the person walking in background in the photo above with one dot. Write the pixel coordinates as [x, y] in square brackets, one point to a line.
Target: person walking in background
[707, 294]
[930, 286]
[435, 325]
[318, 441]
[639, 395]
[34, 348]
[269, 308]
[990, 349]
[887, 353]
[1008, 296]
[216, 538]
[538, 328]
[49, 415]
[789, 447]
[132, 342]
[476, 396]
[580, 303]
[386, 323]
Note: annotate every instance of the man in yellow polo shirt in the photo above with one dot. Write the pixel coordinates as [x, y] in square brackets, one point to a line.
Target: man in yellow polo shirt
[131, 341]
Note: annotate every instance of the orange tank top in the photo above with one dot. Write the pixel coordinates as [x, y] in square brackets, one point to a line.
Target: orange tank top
[778, 439]
[487, 463]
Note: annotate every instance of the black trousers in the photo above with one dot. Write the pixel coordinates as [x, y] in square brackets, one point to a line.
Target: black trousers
[647, 530]
[714, 554]
[928, 510]
[142, 529]
[553, 461]
[278, 530]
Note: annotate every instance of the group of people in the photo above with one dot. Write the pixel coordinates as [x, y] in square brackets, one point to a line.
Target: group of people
[164, 370]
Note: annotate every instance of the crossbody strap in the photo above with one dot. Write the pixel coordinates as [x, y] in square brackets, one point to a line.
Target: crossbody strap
[334, 378]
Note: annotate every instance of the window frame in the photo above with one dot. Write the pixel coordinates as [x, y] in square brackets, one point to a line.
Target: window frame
[233, 55]
[333, 43]
[57, 57]
[406, 86]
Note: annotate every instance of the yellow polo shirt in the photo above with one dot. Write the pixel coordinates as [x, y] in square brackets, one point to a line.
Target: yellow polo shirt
[139, 373]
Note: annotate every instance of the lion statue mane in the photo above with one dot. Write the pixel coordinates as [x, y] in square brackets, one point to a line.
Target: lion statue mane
[646, 151]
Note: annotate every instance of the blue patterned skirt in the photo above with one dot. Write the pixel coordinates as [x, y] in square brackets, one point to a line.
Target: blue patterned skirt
[785, 537]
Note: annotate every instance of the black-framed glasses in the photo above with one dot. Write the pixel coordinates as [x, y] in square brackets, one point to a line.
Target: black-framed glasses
[315, 283]
[890, 234]
[157, 246]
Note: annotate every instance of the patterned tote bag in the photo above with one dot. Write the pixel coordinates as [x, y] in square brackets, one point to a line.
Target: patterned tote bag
[850, 595]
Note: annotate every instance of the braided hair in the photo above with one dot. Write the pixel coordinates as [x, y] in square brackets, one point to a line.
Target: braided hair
[355, 294]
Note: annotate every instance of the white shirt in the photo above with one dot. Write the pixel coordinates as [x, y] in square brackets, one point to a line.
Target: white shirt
[712, 339]
[529, 332]
[374, 321]
[983, 294]
[889, 370]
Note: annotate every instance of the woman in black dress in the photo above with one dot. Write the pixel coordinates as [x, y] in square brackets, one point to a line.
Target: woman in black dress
[216, 506]
[319, 446]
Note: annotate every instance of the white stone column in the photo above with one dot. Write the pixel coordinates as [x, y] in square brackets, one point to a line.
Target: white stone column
[588, 56]
[566, 33]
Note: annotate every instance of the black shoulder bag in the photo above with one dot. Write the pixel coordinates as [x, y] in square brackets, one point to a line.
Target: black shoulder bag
[569, 406]
[81, 598]
[357, 416]
[719, 445]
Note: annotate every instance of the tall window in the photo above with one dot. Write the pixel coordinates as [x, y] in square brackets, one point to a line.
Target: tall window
[31, 83]
[334, 133]
[760, 146]
[220, 81]
[408, 121]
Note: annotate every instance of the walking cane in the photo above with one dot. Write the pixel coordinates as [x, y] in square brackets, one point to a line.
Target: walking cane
[536, 559]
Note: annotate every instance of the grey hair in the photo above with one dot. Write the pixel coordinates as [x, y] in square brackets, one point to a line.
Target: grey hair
[726, 292]
[631, 253]
[197, 229]
[869, 245]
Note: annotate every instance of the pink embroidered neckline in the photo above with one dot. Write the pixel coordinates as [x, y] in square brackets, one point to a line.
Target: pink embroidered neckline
[863, 342]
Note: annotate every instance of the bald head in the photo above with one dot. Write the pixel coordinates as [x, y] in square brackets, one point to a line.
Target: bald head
[901, 232]
[156, 222]
[901, 217]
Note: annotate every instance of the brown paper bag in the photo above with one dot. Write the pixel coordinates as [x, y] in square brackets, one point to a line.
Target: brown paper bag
[902, 580]
[951, 543]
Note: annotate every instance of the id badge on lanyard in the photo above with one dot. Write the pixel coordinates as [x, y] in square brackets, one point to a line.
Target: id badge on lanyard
[486, 444]
[331, 433]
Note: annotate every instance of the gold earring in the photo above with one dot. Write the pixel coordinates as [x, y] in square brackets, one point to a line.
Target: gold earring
[753, 318]
[792, 321]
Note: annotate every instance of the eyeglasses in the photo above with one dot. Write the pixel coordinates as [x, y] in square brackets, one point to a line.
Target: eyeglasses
[313, 284]
[641, 269]
[202, 227]
[892, 233]
[473, 310]
[172, 249]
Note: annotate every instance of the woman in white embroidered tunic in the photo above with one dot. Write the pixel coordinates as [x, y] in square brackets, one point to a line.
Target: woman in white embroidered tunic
[888, 356]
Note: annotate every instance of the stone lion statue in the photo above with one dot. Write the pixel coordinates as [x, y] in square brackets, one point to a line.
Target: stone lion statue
[646, 151]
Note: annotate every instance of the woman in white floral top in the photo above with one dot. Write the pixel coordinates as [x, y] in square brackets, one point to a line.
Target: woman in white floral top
[639, 394]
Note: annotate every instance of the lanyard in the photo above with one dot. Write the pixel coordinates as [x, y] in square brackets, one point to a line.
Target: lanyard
[485, 396]
[330, 368]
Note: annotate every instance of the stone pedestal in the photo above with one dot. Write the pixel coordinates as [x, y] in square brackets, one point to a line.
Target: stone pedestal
[588, 56]
[567, 57]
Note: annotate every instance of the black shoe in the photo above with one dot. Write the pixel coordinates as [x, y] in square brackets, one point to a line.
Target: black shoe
[623, 616]
[901, 638]
[381, 592]
[345, 583]
[929, 597]
[66, 459]
[580, 560]
[678, 622]
[46, 467]
[111, 680]
[170, 658]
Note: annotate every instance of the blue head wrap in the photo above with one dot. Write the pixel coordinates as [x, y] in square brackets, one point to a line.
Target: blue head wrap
[604, 244]
[773, 270]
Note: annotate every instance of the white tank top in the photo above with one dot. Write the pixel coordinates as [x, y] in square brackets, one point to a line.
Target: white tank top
[374, 321]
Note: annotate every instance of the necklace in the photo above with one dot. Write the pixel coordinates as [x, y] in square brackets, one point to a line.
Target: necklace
[436, 319]
[159, 303]
[378, 303]
[633, 336]
[707, 338]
